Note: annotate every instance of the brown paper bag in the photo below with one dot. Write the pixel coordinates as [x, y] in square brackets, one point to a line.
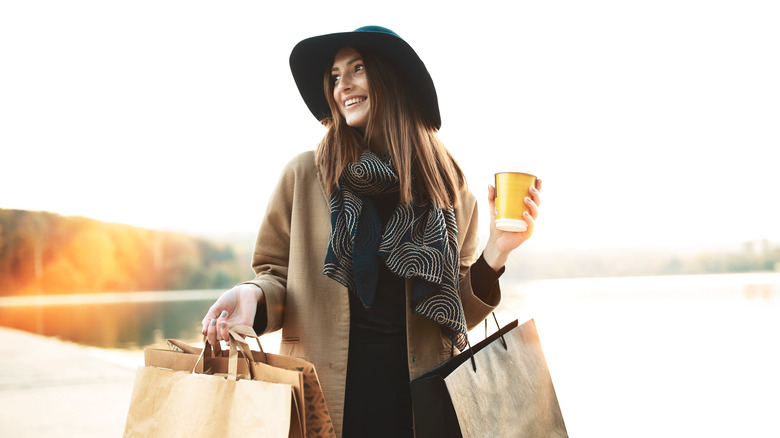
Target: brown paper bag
[315, 418]
[315, 411]
[311, 407]
[168, 402]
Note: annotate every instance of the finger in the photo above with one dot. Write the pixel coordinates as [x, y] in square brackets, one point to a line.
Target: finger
[207, 321]
[211, 332]
[538, 184]
[211, 314]
[224, 331]
[220, 322]
[222, 327]
[492, 200]
[535, 195]
[532, 207]
[529, 220]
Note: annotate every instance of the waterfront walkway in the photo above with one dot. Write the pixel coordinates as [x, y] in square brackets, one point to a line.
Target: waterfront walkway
[50, 388]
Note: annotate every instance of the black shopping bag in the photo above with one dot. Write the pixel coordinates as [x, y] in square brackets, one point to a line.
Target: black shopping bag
[500, 387]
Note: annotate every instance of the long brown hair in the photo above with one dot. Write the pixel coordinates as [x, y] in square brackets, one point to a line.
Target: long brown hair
[415, 149]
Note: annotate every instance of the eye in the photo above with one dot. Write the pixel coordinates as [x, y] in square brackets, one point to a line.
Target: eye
[359, 70]
[334, 79]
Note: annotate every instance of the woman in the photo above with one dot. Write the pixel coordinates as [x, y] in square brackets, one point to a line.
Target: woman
[367, 255]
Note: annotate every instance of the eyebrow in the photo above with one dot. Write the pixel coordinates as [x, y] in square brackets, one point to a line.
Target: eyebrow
[350, 62]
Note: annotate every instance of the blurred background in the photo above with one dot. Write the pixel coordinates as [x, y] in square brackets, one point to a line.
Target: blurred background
[140, 141]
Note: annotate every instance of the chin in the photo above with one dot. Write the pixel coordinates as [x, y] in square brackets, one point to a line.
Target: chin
[357, 120]
[360, 125]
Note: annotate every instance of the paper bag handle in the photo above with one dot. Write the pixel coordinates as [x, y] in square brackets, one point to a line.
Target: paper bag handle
[498, 329]
[237, 332]
[206, 353]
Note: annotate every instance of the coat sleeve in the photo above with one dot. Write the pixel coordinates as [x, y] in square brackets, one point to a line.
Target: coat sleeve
[271, 256]
[474, 308]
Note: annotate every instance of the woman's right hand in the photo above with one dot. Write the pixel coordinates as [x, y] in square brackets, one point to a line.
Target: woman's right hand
[236, 306]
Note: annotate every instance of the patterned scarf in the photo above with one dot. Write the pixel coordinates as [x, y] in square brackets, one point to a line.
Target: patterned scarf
[418, 241]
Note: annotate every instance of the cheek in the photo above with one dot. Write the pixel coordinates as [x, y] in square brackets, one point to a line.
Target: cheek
[363, 83]
[336, 100]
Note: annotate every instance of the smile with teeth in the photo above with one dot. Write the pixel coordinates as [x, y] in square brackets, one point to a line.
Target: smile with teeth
[353, 101]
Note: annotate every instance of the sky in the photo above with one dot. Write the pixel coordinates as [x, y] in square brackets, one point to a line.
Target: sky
[650, 123]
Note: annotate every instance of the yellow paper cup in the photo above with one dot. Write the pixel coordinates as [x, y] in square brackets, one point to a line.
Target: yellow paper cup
[511, 190]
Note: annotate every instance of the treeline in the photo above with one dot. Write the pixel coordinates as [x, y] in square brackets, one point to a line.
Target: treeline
[47, 253]
[761, 256]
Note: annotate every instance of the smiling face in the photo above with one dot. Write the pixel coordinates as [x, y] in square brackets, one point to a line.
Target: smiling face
[350, 87]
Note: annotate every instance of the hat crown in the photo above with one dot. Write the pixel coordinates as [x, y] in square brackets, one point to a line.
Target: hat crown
[377, 29]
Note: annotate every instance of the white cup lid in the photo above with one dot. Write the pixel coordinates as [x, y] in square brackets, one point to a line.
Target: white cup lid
[514, 225]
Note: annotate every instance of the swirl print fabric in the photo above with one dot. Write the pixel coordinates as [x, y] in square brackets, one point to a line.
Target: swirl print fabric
[419, 241]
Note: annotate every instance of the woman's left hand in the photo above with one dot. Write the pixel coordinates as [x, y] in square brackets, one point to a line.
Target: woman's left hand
[501, 243]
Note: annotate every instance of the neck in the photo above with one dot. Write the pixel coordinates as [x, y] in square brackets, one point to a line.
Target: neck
[377, 144]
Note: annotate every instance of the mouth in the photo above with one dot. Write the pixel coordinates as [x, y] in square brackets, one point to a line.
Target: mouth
[354, 101]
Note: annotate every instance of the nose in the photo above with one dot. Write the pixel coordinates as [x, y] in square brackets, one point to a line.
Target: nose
[345, 83]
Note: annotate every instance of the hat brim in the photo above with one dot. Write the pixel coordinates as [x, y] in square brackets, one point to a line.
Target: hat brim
[312, 57]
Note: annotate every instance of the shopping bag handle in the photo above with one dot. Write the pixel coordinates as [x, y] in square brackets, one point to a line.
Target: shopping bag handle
[206, 354]
[238, 333]
[498, 328]
[470, 350]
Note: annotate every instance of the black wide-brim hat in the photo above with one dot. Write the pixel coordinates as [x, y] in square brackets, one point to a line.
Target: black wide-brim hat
[312, 57]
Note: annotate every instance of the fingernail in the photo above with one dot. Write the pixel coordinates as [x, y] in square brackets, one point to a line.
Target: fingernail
[224, 314]
[213, 322]
[223, 325]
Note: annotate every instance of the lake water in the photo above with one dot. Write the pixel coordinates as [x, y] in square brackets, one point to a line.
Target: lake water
[675, 356]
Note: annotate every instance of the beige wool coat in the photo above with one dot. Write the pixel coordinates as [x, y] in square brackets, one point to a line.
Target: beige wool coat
[311, 309]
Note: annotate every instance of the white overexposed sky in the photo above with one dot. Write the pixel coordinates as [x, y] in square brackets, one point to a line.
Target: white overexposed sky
[651, 123]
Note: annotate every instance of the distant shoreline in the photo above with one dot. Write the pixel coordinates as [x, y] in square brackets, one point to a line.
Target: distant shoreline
[110, 297]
